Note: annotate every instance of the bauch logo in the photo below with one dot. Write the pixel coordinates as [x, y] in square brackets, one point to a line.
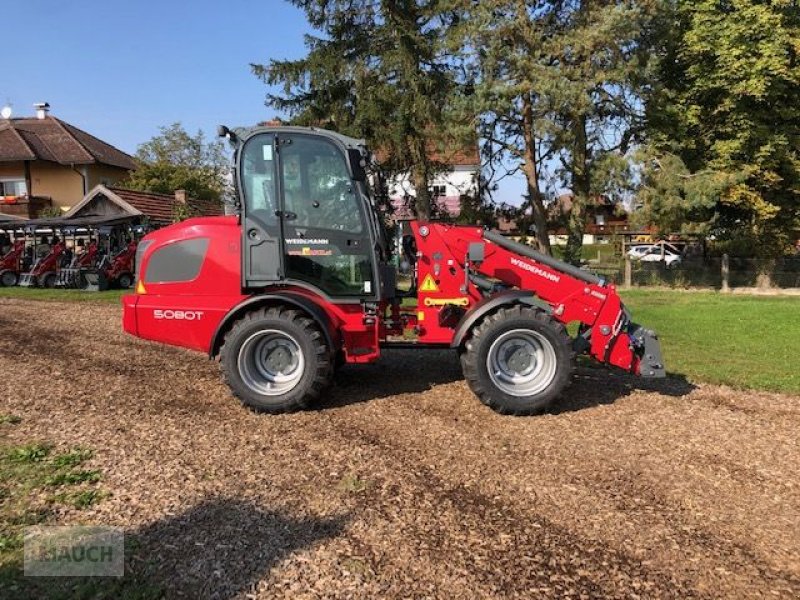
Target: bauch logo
[76, 554]
[74, 551]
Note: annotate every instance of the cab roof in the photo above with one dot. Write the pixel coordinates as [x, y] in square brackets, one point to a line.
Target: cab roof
[245, 133]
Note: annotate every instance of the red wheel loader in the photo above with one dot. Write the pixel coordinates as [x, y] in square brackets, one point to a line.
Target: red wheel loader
[10, 264]
[45, 270]
[300, 281]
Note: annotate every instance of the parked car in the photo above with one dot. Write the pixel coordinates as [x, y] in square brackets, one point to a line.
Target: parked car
[669, 256]
[640, 251]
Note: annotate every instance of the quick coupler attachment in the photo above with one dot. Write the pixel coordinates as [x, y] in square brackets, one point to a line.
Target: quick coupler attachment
[648, 349]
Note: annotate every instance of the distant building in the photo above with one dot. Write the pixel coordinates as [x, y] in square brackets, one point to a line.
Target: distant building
[46, 162]
[603, 219]
[106, 204]
[459, 178]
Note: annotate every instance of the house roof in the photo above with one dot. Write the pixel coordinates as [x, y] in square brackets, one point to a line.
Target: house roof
[563, 203]
[464, 156]
[54, 140]
[159, 208]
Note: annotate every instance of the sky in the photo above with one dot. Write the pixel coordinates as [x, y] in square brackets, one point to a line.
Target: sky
[122, 69]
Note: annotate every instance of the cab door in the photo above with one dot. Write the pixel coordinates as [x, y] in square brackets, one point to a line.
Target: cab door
[327, 240]
[262, 247]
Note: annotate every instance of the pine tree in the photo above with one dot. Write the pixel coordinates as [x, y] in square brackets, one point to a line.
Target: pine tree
[557, 80]
[378, 70]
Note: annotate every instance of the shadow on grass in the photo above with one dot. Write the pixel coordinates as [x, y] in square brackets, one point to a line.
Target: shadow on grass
[218, 549]
[417, 371]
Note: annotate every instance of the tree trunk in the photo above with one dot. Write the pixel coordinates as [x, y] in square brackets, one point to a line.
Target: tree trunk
[420, 177]
[531, 170]
[581, 189]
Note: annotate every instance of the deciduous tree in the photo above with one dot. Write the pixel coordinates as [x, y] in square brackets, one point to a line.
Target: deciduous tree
[175, 160]
[724, 119]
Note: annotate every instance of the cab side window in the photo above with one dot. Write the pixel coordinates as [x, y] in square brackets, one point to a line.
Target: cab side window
[317, 187]
[258, 179]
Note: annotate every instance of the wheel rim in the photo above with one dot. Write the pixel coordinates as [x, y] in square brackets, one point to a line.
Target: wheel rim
[9, 279]
[271, 362]
[522, 362]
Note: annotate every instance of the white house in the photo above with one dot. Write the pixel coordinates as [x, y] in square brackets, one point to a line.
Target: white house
[459, 178]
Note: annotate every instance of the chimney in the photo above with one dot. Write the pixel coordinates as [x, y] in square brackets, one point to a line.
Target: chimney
[180, 196]
[42, 108]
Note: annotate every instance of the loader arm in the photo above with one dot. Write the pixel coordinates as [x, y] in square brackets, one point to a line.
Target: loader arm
[574, 295]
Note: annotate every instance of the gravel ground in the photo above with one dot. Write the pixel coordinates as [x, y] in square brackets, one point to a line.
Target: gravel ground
[402, 484]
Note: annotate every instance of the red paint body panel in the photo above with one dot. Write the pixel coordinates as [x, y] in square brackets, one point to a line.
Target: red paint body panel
[215, 291]
[10, 260]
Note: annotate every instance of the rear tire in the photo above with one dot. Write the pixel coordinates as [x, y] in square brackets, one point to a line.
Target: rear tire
[124, 281]
[275, 360]
[8, 279]
[518, 360]
[48, 280]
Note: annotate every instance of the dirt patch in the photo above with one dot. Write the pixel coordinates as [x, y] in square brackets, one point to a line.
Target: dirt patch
[401, 484]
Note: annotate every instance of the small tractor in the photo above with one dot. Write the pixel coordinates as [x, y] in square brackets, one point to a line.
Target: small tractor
[115, 271]
[45, 270]
[301, 281]
[72, 276]
[10, 264]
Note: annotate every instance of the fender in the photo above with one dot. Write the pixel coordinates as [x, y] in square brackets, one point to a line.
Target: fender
[487, 305]
[314, 310]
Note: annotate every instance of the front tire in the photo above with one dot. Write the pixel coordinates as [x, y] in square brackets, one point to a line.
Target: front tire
[276, 360]
[518, 360]
[48, 280]
[8, 278]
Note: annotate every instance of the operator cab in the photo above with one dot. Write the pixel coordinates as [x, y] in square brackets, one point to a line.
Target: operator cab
[307, 218]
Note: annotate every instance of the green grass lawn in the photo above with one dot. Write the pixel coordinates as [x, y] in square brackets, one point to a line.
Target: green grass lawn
[737, 340]
[111, 296]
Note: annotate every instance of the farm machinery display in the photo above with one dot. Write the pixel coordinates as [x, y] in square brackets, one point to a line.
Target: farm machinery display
[72, 276]
[11, 264]
[301, 282]
[112, 271]
[69, 257]
[44, 271]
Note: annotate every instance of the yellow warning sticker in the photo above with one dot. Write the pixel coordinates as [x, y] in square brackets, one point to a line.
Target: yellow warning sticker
[428, 284]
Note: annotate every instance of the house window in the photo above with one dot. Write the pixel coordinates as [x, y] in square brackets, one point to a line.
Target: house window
[600, 219]
[13, 188]
[438, 190]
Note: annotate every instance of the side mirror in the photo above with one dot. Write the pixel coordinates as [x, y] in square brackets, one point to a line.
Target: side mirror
[224, 132]
[358, 164]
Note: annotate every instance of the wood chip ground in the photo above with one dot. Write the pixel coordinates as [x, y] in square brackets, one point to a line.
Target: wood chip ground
[402, 485]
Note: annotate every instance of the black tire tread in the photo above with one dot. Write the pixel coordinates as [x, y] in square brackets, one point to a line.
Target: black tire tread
[471, 366]
[324, 367]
